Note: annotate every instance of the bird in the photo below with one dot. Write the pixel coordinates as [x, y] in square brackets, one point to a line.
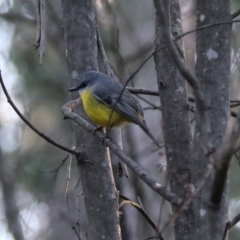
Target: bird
[108, 103]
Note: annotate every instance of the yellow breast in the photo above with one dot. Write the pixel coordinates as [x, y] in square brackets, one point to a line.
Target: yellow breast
[100, 113]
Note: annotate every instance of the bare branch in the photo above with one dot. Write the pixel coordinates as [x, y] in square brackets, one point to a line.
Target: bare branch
[142, 91]
[66, 194]
[236, 14]
[29, 124]
[143, 212]
[234, 221]
[157, 187]
[56, 170]
[106, 63]
[227, 150]
[230, 225]
[40, 41]
[175, 39]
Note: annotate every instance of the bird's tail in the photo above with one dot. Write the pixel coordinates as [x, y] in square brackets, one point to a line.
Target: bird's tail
[147, 131]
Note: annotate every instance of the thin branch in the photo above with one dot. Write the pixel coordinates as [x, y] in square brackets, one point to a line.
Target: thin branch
[234, 104]
[106, 63]
[236, 14]
[29, 124]
[78, 213]
[143, 212]
[66, 194]
[234, 221]
[142, 91]
[148, 102]
[175, 39]
[157, 187]
[40, 41]
[56, 170]
[233, 114]
[230, 225]
[229, 147]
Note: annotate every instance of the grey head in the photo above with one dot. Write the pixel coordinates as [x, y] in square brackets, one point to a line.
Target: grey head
[86, 80]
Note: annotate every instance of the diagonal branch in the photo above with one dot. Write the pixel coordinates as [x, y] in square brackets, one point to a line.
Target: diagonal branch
[177, 38]
[230, 225]
[143, 212]
[157, 187]
[236, 14]
[227, 150]
[29, 124]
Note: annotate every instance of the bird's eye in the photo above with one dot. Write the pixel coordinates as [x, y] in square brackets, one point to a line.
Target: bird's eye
[84, 84]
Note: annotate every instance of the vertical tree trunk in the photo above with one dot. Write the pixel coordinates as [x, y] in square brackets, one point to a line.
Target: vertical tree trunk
[173, 95]
[213, 73]
[99, 190]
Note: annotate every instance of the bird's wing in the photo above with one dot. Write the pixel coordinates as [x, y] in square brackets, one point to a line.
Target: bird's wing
[108, 93]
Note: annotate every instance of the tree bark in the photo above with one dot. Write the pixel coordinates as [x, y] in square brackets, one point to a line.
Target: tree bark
[101, 199]
[213, 72]
[173, 95]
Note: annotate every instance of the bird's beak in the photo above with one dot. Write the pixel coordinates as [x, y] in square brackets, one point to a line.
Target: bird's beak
[73, 89]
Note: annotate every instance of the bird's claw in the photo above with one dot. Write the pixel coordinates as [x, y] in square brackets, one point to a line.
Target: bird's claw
[96, 129]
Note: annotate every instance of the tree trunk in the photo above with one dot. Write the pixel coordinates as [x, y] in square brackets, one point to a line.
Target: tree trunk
[99, 190]
[213, 73]
[173, 95]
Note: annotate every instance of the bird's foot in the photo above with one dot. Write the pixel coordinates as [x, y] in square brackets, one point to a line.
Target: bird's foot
[104, 137]
[96, 129]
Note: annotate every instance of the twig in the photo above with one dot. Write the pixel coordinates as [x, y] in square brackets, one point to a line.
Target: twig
[175, 39]
[106, 63]
[56, 170]
[235, 104]
[148, 102]
[66, 194]
[162, 201]
[140, 203]
[229, 147]
[143, 212]
[29, 124]
[40, 41]
[142, 91]
[236, 14]
[234, 221]
[78, 213]
[157, 187]
[233, 114]
[153, 108]
[230, 225]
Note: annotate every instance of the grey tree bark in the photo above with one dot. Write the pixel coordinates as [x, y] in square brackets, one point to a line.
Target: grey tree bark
[101, 199]
[173, 95]
[213, 72]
